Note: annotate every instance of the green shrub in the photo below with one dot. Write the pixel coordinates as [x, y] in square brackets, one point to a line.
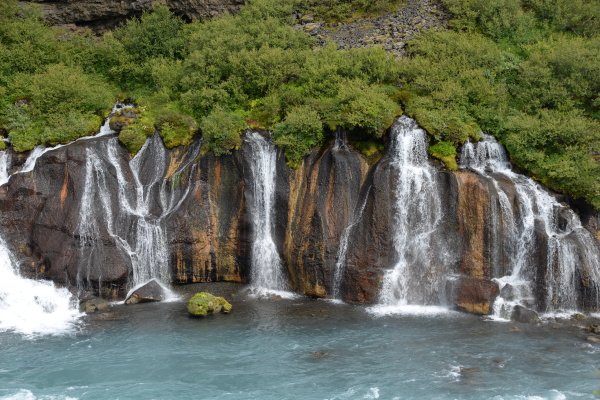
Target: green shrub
[157, 33]
[298, 133]
[560, 149]
[135, 134]
[364, 106]
[64, 129]
[446, 152]
[221, 131]
[176, 128]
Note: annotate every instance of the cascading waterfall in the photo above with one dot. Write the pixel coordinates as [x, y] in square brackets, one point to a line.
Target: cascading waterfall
[418, 276]
[569, 245]
[137, 226]
[28, 306]
[267, 276]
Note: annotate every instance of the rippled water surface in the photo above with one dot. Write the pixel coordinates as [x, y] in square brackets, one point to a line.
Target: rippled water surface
[298, 349]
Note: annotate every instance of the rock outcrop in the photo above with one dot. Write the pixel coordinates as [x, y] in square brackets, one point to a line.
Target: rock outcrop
[107, 14]
[81, 217]
[149, 292]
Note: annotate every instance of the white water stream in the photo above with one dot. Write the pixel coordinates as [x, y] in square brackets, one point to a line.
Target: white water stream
[533, 212]
[418, 278]
[136, 220]
[266, 274]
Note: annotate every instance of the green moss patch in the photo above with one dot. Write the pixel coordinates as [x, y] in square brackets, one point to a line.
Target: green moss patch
[204, 303]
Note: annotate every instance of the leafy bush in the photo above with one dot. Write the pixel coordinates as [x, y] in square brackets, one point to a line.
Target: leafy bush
[298, 133]
[176, 129]
[446, 152]
[221, 131]
[511, 68]
[364, 106]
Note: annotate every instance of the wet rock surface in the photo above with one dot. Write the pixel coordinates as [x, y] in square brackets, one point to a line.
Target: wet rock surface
[525, 315]
[151, 291]
[473, 295]
[200, 202]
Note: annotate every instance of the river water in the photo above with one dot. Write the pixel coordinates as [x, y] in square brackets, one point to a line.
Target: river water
[297, 349]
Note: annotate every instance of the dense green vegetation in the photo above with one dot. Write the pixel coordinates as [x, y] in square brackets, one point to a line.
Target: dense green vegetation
[526, 71]
[252, 69]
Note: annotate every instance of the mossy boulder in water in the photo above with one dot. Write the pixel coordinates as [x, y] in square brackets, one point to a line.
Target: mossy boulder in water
[204, 303]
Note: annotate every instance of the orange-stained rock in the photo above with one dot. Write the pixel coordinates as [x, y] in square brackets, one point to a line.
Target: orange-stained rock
[473, 295]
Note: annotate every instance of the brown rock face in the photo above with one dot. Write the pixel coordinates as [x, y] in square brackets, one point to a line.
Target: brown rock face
[473, 214]
[473, 295]
[322, 198]
[106, 14]
[208, 232]
[80, 217]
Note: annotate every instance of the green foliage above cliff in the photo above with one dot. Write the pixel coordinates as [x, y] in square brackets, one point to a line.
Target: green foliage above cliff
[220, 75]
[524, 70]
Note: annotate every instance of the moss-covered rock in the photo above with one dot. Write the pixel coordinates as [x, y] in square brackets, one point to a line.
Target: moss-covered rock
[123, 118]
[204, 303]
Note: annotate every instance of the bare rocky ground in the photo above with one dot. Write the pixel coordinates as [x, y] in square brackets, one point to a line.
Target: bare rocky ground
[391, 30]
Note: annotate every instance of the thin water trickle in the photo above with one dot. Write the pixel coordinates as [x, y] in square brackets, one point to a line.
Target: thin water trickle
[340, 263]
[418, 278]
[340, 140]
[267, 275]
[536, 213]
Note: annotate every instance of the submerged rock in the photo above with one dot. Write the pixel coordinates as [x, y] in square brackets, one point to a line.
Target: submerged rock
[151, 291]
[525, 315]
[204, 303]
[93, 305]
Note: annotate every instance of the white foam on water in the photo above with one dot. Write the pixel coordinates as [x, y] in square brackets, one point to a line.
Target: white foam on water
[410, 309]
[259, 292]
[33, 307]
[24, 394]
[373, 393]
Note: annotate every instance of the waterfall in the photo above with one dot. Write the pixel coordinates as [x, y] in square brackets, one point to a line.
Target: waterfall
[568, 244]
[340, 263]
[137, 222]
[340, 140]
[267, 275]
[4, 166]
[418, 276]
[33, 307]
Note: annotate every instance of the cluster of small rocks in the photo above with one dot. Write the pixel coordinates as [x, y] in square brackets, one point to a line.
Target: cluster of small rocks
[391, 30]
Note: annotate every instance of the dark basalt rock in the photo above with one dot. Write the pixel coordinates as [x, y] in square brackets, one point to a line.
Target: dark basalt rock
[209, 232]
[108, 14]
[525, 315]
[93, 305]
[151, 291]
